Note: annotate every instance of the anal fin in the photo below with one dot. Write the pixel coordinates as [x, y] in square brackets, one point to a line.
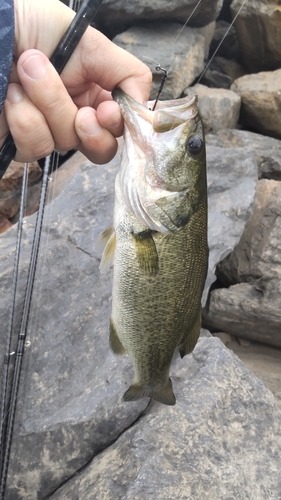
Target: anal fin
[146, 252]
[165, 395]
[191, 338]
[114, 341]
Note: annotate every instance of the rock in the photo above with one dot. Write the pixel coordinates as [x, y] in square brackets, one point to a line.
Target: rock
[207, 32]
[267, 150]
[225, 42]
[251, 308]
[155, 44]
[261, 102]
[258, 28]
[232, 173]
[10, 190]
[215, 79]
[222, 440]
[219, 108]
[221, 73]
[258, 253]
[115, 15]
[248, 310]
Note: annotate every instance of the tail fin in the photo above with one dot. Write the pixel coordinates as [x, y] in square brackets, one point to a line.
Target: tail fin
[165, 395]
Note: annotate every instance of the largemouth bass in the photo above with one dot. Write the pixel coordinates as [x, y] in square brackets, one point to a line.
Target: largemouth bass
[158, 243]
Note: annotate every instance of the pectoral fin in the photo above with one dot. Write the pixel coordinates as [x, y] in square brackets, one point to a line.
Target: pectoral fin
[191, 338]
[146, 252]
[165, 395]
[106, 242]
[114, 340]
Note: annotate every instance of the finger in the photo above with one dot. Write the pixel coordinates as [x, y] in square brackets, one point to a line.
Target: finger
[28, 126]
[97, 143]
[45, 89]
[109, 117]
[101, 61]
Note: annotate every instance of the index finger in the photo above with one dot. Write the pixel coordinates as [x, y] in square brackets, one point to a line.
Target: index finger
[99, 60]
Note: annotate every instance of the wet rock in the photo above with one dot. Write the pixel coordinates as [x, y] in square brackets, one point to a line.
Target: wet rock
[219, 108]
[261, 101]
[250, 307]
[115, 15]
[221, 440]
[258, 28]
[155, 44]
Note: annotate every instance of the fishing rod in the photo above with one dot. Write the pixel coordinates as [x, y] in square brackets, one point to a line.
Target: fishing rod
[59, 59]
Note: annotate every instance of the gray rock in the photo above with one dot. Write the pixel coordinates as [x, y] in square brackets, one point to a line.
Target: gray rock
[251, 308]
[258, 28]
[222, 440]
[221, 73]
[267, 150]
[261, 101]
[225, 42]
[219, 108]
[232, 174]
[117, 14]
[155, 44]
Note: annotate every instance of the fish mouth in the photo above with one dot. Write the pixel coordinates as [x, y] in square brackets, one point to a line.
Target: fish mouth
[167, 116]
[151, 138]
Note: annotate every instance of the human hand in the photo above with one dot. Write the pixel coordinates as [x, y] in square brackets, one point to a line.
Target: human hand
[45, 111]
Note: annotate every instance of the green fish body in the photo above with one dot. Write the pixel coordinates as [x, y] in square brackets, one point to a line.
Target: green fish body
[159, 241]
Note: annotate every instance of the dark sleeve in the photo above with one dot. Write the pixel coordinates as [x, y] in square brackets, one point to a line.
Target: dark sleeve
[6, 45]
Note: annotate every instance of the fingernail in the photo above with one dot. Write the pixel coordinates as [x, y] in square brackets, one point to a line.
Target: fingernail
[14, 94]
[35, 67]
[89, 126]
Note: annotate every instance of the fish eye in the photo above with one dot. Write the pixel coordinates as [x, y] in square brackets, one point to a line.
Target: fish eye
[195, 144]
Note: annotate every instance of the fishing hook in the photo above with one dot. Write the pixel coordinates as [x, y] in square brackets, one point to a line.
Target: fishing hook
[163, 79]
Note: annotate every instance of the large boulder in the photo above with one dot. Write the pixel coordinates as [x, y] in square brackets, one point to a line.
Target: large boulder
[258, 27]
[250, 305]
[261, 101]
[115, 15]
[222, 440]
[219, 108]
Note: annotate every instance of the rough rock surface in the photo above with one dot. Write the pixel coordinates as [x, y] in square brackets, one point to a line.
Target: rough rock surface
[10, 189]
[219, 108]
[251, 308]
[222, 440]
[155, 44]
[258, 27]
[117, 14]
[261, 101]
[221, 73]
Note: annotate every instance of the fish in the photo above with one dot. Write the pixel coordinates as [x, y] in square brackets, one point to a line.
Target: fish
[158, 242]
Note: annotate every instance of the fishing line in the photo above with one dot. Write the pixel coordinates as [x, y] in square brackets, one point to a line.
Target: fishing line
[219, 45]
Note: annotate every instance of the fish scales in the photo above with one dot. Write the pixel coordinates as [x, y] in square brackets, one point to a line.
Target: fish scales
[160, 242]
